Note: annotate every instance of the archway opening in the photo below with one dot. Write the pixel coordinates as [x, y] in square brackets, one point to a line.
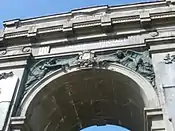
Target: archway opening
[86, 98]
[105, 128]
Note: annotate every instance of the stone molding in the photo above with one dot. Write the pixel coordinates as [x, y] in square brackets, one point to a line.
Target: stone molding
[12, 51]
[95, 11]
[57, 46]
[155, 120]
[161, 44]
[103, 16]
[20, 60]
[17, 123]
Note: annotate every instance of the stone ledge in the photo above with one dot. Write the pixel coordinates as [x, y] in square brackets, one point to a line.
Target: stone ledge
[11, 23]
[14, 61]
[17, 122]
[169, 2]
[145, 19]
[161, 44]
[155, 119]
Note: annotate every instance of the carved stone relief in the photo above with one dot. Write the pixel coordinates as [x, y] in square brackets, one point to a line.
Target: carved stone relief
[167, 67]
[137, 61]
[43, 67]
[6, 75]
[86, 59]
[169, 59]
[154, 34]
[26, 49]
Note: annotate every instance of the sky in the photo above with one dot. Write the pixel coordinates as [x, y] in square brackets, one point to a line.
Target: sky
[105, 128]
[13, 9]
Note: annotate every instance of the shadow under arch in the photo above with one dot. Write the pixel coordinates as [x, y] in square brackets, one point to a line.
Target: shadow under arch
[132, 89]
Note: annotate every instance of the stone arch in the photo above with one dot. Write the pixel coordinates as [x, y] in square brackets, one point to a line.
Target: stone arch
[148, 94]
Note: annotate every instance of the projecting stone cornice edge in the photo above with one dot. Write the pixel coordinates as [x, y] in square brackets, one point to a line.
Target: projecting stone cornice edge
[161, 44]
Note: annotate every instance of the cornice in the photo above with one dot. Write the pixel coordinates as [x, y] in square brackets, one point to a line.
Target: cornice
[161, 44]
[88, 11]
[19, 60]
[18, 55]
[102, 18]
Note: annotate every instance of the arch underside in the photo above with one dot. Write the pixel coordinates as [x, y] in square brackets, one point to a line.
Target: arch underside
[84, 98]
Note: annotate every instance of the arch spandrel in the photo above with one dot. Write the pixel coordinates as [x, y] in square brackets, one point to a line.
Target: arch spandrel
[147, 91]
[131, 72]
[137, 61]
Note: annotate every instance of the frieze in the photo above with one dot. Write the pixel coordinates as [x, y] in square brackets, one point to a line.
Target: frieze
[137, 61]
[124, 41]
[6, 75]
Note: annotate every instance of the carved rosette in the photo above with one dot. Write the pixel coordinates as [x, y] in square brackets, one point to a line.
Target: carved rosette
[137, 61]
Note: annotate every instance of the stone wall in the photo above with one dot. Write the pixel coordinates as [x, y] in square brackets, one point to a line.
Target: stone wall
[101, 30]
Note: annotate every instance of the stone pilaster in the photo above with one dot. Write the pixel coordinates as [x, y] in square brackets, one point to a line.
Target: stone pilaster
[162, 50]
[13, 63]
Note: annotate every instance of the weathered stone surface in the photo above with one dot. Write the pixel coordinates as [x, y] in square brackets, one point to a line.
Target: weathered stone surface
[4, 107]
[7, 88]
[103, 38]
[170, 100]
[168, 78]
